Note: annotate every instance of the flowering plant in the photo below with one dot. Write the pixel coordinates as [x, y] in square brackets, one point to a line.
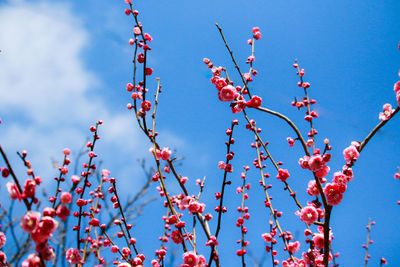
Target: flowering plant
[194, 229]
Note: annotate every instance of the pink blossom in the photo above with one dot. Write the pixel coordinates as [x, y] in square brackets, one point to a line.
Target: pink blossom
[312, 189]
[73, 256]
[282, 175]
[247, 77]
[29, 188]
[158, 152]
[221, 165]
[136, 30]
[3, 239]
[341, 181]
[124, 264]
[29, 221]
[304, 162]
[176, 237]
[49, 212]
[212, 241]
[220, 83]
[13, 191]
[165, 153]
[66, 198]
[333, 194]
[47, 225]
[319, 240]
[227, 94]
[114, 249]
[63, 212]
[148, 71]
[66, 151]
[387, 112]
[3, 258]
[195, 207]
[201, 261]
[190, 258]
[75, 179]
[256, 33]
[351, 153]
[396, 87]
[148, 37]
[48, 254]
[308, 215]
[33, 260]
[184, 203]
[254, 102]
[290, 141]
[140, 58]
[267, 237]
[316, 163]
[146, 105]
[322, 172]
[293, 247]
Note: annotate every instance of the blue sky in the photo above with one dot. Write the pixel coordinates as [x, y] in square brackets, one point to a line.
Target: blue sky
[64, 65]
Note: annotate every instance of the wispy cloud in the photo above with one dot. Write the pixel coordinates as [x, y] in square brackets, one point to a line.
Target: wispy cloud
[48, 97]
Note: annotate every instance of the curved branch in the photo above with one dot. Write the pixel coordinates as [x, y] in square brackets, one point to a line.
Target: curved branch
[283, 117]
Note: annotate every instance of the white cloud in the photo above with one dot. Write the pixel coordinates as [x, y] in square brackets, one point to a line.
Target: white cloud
[48, 98]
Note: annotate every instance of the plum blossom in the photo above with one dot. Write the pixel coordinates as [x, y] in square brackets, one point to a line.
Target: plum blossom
[254, 102]
[387, 112]
[33, 260]
[29, 221]
[256, 33]
[309, 214]
[13, 191]
[212, 241]
[282, 175]
[341, 181]
[333, 194]
[176, 237]
[267, 237]
[3, 258]
[66, 198]
[396, 89]
[227, 94]
[290, 141]
[3, 239]
[293, 247]
[318, 240]
[312, 188]
[190, 259]
[351, 153]
[73, 256]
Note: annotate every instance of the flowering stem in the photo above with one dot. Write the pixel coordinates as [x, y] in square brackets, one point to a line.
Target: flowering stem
[328, 209]
[368, 242]
[243, 216]
[268, 200]
[228, 148]
[234, 60]
[86, 176]
[283, 117]
[292, 194]
[93, 215]
[58, 184]
[375, 130]
[3, 154]
[124, 220]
